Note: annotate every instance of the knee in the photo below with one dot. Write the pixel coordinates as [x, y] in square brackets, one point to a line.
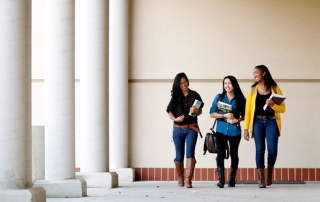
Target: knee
[234, 157]
[260, 150]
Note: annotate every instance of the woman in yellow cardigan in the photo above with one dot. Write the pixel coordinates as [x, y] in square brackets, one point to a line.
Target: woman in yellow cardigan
[264, 125]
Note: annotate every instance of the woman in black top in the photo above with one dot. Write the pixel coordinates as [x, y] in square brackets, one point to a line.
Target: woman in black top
[185, 126]
[265, 125]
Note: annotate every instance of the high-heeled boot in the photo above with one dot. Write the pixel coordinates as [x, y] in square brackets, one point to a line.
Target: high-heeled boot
[190, 164]
[262, 182]
[221, 177]
[180, 173]
[269, 174]
[232, 177]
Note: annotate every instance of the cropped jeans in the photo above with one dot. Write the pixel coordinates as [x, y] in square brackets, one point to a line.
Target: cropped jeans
[182, 137]
[266, 130]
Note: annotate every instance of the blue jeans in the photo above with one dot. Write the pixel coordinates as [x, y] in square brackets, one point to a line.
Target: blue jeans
[266, 130]
[182, 136]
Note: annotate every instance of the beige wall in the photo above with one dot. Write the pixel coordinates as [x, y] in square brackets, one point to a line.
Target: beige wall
[209, 39]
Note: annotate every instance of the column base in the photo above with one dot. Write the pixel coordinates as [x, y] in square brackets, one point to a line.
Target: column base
[73, 188]
[99, 179]
[37, 194]
[124, 174]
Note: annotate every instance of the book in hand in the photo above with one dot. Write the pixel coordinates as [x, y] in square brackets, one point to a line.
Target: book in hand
[277, 99]
[224, 108]
[197, 104]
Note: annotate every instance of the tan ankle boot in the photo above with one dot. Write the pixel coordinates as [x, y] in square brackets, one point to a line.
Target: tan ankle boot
[180, 173]
[269, 174]
[262, 183]
[189, 171]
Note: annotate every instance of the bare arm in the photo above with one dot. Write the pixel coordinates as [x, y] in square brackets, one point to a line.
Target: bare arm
[173, 118]
[228, 117]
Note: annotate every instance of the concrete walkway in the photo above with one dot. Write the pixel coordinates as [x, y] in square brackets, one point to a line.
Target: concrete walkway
[155, 191]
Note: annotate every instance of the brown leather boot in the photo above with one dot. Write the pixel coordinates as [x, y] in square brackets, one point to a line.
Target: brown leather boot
[191, 162]
[269, 174]
[262, 182]
[180, 173]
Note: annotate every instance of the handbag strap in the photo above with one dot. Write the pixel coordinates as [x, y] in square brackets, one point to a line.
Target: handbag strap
[215, 121]
[214, 124]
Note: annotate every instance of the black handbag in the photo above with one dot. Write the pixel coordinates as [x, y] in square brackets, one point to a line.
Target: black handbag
[210, 143]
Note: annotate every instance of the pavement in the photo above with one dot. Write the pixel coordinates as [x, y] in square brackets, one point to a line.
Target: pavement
[204, 191]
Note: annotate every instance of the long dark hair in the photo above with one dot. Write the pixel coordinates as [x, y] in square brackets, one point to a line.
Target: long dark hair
[240, 99]
[268, 80]
[176, 93]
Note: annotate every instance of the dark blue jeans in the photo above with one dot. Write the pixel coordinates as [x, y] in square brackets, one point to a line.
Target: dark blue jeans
[182, 137]
[266, 130]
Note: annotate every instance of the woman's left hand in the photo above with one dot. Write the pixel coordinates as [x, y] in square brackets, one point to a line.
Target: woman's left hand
[193, 109]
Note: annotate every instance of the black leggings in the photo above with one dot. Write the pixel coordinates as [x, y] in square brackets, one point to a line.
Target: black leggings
[222, 141]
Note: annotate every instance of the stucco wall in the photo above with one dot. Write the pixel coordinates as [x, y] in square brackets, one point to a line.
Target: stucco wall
[208, 40]
[212, 38]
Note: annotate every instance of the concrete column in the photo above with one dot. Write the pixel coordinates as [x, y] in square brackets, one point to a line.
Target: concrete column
[93, 29]
[13, 102]
[118, 89]
[59, 90]
[93, 61]
[59, 37]
[28, 132]
[12, 99]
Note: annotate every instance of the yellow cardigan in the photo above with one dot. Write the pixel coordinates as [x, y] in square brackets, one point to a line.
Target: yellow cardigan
[251, 106]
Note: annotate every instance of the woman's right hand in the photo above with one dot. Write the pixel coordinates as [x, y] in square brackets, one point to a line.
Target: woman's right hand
[179, 118]
[228, 116]
[246, 135]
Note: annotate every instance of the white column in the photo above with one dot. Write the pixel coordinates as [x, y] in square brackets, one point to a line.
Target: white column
[59, 90]
[92, 58]
[118, 90]
[118, 81]
[12, 99]
[14, 104]
[28, 152]
[93, 61]
[59, 51]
